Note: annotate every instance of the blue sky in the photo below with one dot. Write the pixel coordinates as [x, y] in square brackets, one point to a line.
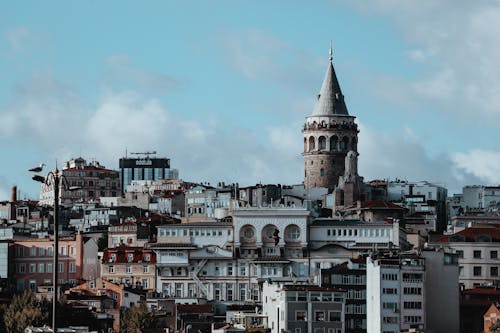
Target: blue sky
[222, 87]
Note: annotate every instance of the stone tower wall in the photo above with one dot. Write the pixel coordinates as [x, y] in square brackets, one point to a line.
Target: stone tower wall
[329, 156]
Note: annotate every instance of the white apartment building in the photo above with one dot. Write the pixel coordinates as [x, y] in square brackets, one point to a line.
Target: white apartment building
[480, 196]
[224, 261]
[303, 308]
[395, 293]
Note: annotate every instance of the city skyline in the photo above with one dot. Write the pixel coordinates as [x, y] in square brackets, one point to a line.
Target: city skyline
[222, 89]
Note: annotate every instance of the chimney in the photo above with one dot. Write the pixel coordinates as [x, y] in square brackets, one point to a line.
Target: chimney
[13, 197]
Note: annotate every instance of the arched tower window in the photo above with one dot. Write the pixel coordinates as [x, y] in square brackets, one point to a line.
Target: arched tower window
[333, 142]
[354, 144]
[322, 143]
[322, 172]
[312, 143]
[305, 144]
[344, 143]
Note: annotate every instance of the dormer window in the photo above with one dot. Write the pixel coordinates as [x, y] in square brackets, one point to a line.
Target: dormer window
[147, 257]
[130, 257]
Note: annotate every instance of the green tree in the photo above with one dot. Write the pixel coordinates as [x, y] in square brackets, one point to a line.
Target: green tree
[135, 318]
[24, 310]
[495, 328]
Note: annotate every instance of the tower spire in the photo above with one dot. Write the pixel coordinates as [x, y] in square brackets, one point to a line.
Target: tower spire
[330, 99]
[331, 52]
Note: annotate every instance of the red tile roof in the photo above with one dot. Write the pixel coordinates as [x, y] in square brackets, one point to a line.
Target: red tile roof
[121, 254]
[471, 234]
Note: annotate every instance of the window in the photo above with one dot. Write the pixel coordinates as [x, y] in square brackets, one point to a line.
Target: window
[390, 291]
[22, 268]
[243, 291]
[322, 142]
[72, 267]
[41, 252]
[494, 254]
[477, 270]
[390, 320]
[477, 254]
[128, 269]
[494, 271]
[412, 305]
[293, 232]
[61, 267]
[319, 316]
[49, 268]
[412, 291]
[33, 251]
[300, 315]
[322, 172]
[413, 319]
[111, 269]
[145, 269]
[460, 253]
[41, 268]
[334, 316]
[333, 142]
[32, 268]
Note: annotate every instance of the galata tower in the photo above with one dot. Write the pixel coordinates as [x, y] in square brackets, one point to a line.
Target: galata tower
[329, 134]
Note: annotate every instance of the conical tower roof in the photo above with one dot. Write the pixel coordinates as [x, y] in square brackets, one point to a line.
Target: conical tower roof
[330, 99]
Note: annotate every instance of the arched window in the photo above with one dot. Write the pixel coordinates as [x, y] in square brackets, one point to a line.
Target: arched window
[322, 172]
[333, 142]
[312, 143]
[322, 142]
[344, 143]
[305, 144]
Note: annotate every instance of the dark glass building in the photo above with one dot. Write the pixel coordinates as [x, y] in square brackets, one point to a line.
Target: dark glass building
[144, 169]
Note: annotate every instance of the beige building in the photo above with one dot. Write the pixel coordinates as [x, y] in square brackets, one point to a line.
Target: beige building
[131, 266]
[92, 179]
[478, 254]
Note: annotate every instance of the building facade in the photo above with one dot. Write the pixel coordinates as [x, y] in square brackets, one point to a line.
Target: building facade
[130, 266]
[92, 181]
[147, 168]
[395, 293]
[303, 308]
[32, 261]
[478, 251]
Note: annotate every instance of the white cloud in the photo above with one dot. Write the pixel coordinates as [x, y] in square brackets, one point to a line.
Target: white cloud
[262, 56]
[483, 164]
[16, 37]
[52, 116]
[402, 156]
[120, 71]
[456, 47]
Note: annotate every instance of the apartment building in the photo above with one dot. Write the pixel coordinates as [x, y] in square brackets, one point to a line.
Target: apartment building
[303, 308]
[130, 266]
[32, 261]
